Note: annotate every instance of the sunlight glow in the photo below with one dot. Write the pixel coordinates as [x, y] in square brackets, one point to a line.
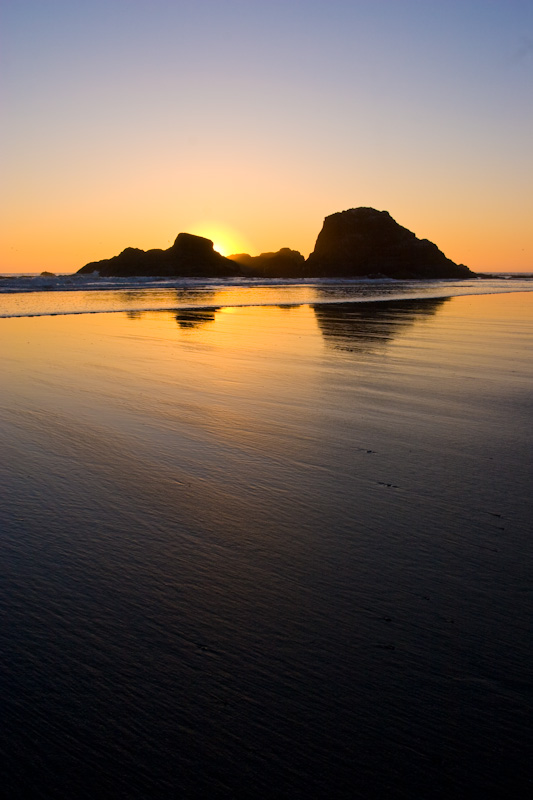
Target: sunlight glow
[113, 164]
[226, 241]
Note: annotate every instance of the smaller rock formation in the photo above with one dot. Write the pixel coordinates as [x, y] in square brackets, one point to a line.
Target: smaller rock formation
[190, 256]
[284, 263]
[364, 242]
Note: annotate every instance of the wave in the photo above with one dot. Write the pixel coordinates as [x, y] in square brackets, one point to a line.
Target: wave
[34, 296]
[71, 283]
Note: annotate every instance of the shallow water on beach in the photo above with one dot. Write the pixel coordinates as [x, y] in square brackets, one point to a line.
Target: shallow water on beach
[78, 294]
[275, 550]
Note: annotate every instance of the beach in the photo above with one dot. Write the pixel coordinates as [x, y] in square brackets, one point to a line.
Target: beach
[274, 550]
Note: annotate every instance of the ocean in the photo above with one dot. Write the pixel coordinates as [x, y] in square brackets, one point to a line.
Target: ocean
[266, 539]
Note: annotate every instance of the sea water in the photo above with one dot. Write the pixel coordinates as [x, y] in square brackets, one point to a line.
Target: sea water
[32, 295]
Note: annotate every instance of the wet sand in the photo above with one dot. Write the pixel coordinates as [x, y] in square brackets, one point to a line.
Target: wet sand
[268, 552]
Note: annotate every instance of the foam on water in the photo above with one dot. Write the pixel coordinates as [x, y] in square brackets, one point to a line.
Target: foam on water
[24, 295]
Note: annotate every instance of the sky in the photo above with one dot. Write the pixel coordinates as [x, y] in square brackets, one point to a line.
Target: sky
[125, 122]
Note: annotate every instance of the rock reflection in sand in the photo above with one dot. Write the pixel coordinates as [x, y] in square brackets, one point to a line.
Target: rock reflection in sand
[368, 326]
[195, 317]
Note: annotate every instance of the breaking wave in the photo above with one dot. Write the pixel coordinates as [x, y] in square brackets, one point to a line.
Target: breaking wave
[43, 295]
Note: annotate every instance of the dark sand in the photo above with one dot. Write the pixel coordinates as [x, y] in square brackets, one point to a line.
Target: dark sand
[268, 552]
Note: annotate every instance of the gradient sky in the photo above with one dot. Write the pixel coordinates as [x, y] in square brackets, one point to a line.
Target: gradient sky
[125, 122]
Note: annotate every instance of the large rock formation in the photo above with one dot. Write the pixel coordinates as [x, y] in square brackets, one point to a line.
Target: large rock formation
[355, 243]
[189, 256]
[365, 242]
[284, 263]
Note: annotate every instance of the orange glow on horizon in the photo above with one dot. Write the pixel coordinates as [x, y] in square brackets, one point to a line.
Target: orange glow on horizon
[68, 246]
[226, 240]
[126, 130]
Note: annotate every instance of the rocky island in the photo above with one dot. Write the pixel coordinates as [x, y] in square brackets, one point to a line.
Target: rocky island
[284, 263]
[359, 242]
[364, 242]
[190, 257]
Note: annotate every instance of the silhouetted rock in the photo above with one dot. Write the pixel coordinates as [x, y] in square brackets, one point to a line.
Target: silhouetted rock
[363, 241]
[284, 263]
[190, 256]
[355, 243]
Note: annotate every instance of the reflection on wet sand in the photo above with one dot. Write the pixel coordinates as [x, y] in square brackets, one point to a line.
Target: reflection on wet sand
[190, 296]
[193, 295]
[194, 317]
[350, 327]
[367, 326]
[185, 317]
[239, 563]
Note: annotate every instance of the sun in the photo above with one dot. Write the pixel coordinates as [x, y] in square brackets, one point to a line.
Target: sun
[226, 241]
[221, 248]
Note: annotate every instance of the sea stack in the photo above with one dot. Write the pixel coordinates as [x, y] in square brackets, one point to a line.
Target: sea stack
[284, 263]
[190, 256]
[365, 242]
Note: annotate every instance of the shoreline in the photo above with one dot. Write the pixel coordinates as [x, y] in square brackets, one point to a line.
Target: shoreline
[136, 297]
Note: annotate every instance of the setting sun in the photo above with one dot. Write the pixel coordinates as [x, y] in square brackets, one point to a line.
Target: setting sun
[226, 241]
[220, 248]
